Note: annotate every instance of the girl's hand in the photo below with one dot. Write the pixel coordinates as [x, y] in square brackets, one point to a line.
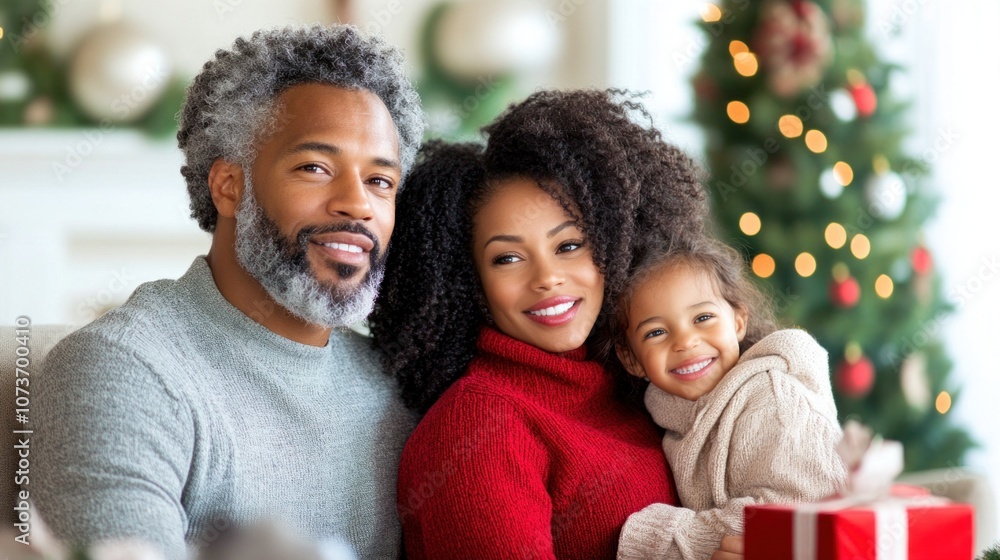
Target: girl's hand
[730, 549]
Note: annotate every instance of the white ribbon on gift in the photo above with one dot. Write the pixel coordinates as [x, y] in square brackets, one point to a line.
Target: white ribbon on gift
[873, 464]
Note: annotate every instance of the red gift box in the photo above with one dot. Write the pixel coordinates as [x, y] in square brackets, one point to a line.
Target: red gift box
[913, 527]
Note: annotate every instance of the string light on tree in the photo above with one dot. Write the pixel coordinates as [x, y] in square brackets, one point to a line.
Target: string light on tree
[763, 265]
[860, 246]
[750, 223]
[711, 13]
[805, 265]
[816, 141]
[746, 64]
[835, 235]
[855, 375]
[883, 286]
[843, 173]
[943, 402]
[737, 47]
[738, 112]
[845, 292]
[790, 126]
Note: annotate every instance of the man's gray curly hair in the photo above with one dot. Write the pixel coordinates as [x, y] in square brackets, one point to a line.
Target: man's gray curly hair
[232, 100]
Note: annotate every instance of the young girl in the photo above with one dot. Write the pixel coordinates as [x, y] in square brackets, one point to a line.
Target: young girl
[748, 411]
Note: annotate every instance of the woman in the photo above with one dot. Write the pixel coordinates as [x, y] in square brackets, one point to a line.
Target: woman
[502, 264]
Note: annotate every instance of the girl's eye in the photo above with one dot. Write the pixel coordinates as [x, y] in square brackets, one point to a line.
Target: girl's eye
[654, 332]
[505, 259]
[703, 317]
[569, 246]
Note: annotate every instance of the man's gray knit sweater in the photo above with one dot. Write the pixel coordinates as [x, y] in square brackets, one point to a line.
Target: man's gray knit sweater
[176, 415]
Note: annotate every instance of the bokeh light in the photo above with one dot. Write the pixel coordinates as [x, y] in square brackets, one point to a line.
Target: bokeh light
[763, 265]
[711, 13]
[835, 235]
[816, 141]
[843, 173]
[805, 264]
[860, 246]
[746, 64]
[738, 112]
[790, 126]
[883, 286]
[943, 402]
[750, 223]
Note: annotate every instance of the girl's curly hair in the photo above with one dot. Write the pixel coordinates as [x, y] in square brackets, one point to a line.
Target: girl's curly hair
[594, 151]
[232, 101]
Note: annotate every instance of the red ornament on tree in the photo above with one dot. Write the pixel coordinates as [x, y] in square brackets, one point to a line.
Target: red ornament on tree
[921, 259]
[864, 98]
[856, 374]
[845, 292]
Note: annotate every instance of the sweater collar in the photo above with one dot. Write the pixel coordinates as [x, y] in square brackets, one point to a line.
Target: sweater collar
[670, 412]
[508, 358]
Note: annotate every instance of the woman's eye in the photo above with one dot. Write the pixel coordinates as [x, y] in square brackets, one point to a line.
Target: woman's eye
[505, 259]
[569, 246]
[703, 317]
[655, 332]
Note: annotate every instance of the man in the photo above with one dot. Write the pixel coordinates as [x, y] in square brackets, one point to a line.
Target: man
[236, 393]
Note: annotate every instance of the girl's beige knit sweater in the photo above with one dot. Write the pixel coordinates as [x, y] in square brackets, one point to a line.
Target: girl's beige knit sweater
[766, 434]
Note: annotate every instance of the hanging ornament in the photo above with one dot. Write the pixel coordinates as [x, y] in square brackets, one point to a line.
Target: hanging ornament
[829, 185]
[14, 86]
[864, 98]
[473, 39]
[793, 41]
[921, 259]
[842, 105]
[856, 374]
[844, 290]
[914, 382]
[886, 195]
[118, 73]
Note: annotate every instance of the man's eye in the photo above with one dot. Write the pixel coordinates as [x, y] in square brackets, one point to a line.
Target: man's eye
[311, 168]
[382, 182]
[654, 332]
[505, 259]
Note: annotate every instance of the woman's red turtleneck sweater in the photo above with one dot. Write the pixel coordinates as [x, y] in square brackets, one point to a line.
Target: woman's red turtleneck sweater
[529, 455]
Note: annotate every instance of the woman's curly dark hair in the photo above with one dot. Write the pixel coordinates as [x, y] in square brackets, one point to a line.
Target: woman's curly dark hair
[594, 151]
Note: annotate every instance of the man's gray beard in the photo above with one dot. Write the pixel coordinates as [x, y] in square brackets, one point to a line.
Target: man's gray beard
[282, 268]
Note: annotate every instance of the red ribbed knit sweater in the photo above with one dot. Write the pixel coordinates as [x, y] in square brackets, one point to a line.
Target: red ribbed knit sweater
[529, 455]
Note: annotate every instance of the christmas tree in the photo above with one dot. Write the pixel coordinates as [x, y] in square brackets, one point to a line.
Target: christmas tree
[809, 178]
